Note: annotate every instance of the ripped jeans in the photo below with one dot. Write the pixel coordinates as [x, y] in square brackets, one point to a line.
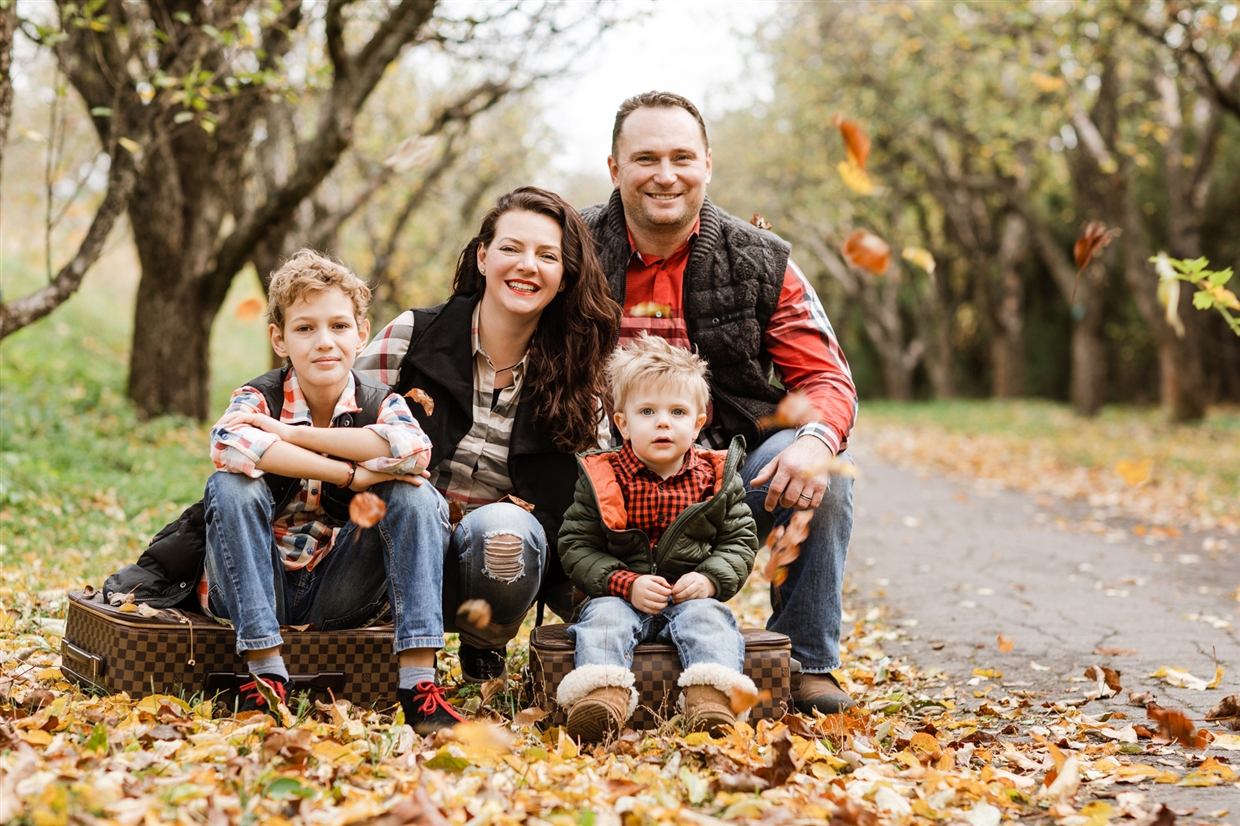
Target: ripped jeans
[497, 553]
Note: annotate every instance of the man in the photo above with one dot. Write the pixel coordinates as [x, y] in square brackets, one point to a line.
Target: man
[686, 270]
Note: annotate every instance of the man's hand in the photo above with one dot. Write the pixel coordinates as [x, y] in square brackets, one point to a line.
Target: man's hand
[260, 421]
[649, 593]
[692, 586]
[365, 478]
[799, 475]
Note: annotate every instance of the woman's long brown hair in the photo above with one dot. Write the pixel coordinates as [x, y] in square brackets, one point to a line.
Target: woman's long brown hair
[576, 332]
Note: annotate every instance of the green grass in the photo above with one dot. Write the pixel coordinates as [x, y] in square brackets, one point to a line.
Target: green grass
[84, 482]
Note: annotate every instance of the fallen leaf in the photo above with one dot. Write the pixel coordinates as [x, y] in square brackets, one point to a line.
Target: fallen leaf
[1133, 473]
[490, 688]
[1142, 699]
[1182, 679]
[1227, 712]
[366, 509]
[868, 252]
[519, 502]
[782, 765]
[417, 394]
[1115, 652]
[1006, 643]
[1107, 679]
[249, 309]
[529, 716]
[475, 613]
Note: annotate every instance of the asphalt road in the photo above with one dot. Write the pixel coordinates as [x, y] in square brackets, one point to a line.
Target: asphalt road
[958, 563]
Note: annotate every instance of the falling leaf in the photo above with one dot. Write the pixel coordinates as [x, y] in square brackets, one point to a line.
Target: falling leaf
[1169, 292]
[1174, 726]
[1095, 237]
[412, 153]
[650, 309]
[856, 141]
[784, 545]
[475, 613]
[417, 394]
[1046, 83]
[794, 410]
[366, 509]
[920, 257]
[855, 178]
[1134, 473]
[867, 251]
[249, 309]
[758, 221]
[130, 145]
[743, 699]
[1006, 644]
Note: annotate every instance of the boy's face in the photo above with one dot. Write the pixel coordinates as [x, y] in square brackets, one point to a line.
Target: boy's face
[321, 338]
[661, 424]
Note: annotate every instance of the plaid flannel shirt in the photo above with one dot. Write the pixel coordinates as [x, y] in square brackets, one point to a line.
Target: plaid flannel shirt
[801, 342]
[653, 503]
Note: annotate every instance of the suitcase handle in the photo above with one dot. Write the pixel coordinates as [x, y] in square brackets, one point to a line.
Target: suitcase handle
[218, 681]
[82, 663]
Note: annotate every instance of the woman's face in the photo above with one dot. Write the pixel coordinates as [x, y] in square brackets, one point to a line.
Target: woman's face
[523, 266]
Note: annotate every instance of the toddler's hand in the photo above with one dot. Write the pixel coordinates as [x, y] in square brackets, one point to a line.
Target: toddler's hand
[649, 593]
[692, 586]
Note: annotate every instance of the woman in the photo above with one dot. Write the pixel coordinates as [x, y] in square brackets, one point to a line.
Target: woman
[513, 368]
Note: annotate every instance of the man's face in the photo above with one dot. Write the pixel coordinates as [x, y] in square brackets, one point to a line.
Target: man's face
[661, 167]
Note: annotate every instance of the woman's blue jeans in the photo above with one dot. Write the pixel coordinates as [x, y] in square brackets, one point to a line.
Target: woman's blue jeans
[808, 606]
[398, 561]
[703, 631]
[497, 553]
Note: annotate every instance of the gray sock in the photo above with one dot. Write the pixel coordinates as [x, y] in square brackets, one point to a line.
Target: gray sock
[411, 675]
[273, 665]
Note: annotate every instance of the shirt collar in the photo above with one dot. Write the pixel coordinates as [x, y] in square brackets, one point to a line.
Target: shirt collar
[475, 340]
[693, 234]
[297, 411]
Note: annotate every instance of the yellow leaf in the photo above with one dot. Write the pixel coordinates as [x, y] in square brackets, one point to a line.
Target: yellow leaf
[856, 178]
[1230, 742]
[335, 753]
[1180, 678]
[50, 675]
[697, 738]
[128, 608]
[1134, 473]
[151, 703]
[130, 144]
[920, 257]
[38, 737]
[1218, 677]
[989, 673]
[1045, 82]
[925, 744]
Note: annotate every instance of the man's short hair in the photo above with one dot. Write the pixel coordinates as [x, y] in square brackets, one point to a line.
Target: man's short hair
[308, 272]
[653, 100]
[649, 361]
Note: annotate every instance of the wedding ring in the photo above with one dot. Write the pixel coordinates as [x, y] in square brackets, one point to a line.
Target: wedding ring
[807, 496]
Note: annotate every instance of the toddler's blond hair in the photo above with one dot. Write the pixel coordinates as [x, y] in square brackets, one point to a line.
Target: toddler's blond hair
[649, 361]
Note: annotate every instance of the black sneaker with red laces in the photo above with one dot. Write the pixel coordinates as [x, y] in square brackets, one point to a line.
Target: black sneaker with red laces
[426, 709]
[253, 700]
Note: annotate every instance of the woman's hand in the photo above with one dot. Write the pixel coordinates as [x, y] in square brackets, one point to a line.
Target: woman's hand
[649, 593]
[692, 586]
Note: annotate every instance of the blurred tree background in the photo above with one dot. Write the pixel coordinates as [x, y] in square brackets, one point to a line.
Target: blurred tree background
[218, 137]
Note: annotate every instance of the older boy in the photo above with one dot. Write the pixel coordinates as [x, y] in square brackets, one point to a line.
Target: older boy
[292, 449]
[658, 537]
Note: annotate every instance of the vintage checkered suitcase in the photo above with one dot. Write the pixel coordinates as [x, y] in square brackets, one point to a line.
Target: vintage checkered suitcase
[184, 653]
[657, 667]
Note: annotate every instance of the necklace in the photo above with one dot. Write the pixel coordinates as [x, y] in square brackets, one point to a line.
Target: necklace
[506, 369]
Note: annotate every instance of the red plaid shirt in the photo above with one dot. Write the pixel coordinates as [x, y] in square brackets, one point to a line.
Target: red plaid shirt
[653, 502]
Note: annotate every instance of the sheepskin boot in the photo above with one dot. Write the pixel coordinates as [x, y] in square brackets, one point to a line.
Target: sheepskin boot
[599, 699]
[707, 696]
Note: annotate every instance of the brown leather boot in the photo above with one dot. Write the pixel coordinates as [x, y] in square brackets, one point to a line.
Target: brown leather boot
[707, 708]
[819, 692]
[599, 714]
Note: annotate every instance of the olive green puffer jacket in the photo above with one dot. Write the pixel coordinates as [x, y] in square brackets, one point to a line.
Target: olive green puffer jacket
[717, 538]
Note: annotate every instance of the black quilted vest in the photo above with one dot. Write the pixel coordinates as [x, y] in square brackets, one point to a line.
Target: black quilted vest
[731, 288]
[335, 500]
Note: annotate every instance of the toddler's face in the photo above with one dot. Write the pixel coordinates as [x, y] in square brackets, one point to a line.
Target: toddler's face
[661, 425]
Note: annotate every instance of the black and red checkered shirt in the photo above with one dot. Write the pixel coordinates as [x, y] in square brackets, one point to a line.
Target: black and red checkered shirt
[653, 503]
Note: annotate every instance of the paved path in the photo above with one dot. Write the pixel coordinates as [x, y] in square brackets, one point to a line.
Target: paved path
[966, 563]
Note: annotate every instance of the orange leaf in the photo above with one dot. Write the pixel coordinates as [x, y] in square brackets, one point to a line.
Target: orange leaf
[519, 502]
[366, 509]
[1095, 237]
[758, 221]
[650, 309]
[423, 398]
[743, 699]
[528, 716]
[249, 309]
[455, 512]
[784, 544]
[867, 251]
[1006, 643]
[476, 613]
[1174, 726]
[855, 140]
[793, 410]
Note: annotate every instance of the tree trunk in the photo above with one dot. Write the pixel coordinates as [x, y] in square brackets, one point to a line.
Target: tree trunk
[1089, 362]
[169, 367]
[1008, 347]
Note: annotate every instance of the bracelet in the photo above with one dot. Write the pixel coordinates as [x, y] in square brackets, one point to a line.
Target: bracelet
[352, 472]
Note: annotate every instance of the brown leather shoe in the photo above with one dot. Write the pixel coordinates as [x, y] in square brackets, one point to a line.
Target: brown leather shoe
[819, 692]
[707, 708]
[599, 714]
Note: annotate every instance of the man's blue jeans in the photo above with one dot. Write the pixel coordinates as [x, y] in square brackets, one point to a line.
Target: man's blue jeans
[808, 605]
[399, 560]
[703, 631]
[497, 553]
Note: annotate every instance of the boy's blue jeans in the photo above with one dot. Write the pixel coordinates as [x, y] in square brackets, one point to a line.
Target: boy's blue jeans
[497, 553]
[810, 602]
[399, 560]
[703, 631]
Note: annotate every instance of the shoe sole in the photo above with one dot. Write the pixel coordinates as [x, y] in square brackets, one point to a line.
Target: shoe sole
[591, 723]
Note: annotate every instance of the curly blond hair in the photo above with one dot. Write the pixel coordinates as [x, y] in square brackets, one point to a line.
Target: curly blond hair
[307, 271]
